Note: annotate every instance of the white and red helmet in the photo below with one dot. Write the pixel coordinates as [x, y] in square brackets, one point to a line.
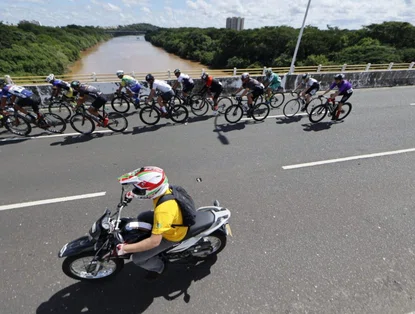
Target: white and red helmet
[149, 182]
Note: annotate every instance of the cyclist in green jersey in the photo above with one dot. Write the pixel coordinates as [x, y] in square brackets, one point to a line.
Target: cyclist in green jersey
[272, 82]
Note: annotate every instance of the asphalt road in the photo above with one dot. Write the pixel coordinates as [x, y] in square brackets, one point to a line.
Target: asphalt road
[332, 238]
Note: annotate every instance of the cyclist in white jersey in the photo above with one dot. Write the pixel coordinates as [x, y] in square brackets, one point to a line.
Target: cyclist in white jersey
[312, 86]
[166, 92]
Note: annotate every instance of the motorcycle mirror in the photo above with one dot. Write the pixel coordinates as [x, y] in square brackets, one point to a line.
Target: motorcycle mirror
[216, 203]
[122, 194]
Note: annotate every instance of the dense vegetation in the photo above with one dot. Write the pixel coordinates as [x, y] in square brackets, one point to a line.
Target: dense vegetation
[29, 49]
[140, 27]
[274, 46]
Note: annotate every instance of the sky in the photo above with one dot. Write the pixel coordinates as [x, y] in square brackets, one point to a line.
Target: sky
[351, 14]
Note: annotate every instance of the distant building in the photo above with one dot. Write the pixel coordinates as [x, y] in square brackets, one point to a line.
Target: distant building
[236, 23]
[30, 22]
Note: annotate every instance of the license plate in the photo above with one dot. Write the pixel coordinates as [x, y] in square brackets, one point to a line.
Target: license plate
[228, 230]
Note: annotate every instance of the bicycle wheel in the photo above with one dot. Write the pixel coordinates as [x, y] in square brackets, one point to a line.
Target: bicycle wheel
[61, 109]
[117, 122]
[318, 113]
[52, 123]
[234, 113]
[179, 113]
[149, 115]
[344, 112]
[223, 104]
[199, 106]
[260, 112]
[175, 100]
[277, 99]
[312, 104]
[17, 124]
[120, 104]
[82, 124]
[291, 108]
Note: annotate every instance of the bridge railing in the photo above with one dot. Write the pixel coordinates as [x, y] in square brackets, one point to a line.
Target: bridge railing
[165, 75]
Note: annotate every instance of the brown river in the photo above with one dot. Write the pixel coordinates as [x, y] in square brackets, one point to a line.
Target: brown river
[129, 53]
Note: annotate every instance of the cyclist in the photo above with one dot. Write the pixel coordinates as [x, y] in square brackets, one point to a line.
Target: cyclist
[252, 88]
[58, 86]
[185, 80]
[345, 89]
[273, 82]
[312, 86]
[20, 97]
[98, 97]
[131, 86]
[152, 183]
[213, 87]
[166, 92]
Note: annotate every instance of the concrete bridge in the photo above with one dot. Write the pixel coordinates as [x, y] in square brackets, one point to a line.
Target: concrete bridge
[125, 32]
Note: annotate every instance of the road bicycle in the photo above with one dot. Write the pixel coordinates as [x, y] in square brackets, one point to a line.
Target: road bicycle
[276, 100]
[258, 111]
[292, 106]
[62, 106]
[121, 102]
[151, 114]
[15, 122]
[83, 122]
[200, 103]
[330, 107]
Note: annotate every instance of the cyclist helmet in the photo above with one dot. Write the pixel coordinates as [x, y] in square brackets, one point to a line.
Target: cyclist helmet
[339, 77]
[149, 77]
[268, 72]
[305, 76]
[245, 76]
[148, 182]
[120, 73]
[75, 84]
[204, 76]
[177, 71]
[50, 78]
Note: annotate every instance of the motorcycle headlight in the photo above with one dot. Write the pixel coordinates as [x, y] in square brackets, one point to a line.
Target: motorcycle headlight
[105, 224]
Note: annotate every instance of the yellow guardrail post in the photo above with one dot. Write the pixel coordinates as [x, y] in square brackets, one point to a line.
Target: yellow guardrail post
[344, 67]
[411, 65]
[390, 66]
[368, 67]
[319, 68]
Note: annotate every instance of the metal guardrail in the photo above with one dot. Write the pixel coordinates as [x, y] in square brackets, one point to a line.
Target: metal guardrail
[94, 77]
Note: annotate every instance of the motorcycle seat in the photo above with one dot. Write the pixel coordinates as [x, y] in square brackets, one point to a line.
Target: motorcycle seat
[204, 220]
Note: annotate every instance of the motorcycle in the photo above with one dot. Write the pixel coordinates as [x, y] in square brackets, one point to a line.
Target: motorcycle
[93, 257]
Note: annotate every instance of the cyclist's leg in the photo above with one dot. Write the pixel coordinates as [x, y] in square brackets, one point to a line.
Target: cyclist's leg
[19, 105]
[340, 105]
[215, 99]
[95, 106]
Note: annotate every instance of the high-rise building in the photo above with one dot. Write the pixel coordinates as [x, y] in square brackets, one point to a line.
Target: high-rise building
[236, 23]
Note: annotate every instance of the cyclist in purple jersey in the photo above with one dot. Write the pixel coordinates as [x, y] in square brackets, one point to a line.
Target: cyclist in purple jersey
[58, 86]
[345, 89]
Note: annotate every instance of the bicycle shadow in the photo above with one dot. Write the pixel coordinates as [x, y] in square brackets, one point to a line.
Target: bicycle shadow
[151, 128]
[78, 139]
[221, 128]
[199, 118]
[127, 292]
[289, 120]
[316, 127]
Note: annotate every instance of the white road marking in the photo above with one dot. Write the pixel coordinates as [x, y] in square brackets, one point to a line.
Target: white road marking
[413, 104]
[51, 201]
[277, 116]
[331, 161]
[48, 136]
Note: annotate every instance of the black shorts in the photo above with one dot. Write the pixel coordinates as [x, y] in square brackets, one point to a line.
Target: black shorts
[99, 102]
[257, 91]
[216, 93]
[313, 89]
[167, 95]
[188, 88]
[345, 97]
[33, 101]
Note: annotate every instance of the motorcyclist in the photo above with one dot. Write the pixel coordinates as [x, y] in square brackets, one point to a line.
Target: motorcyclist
[166, 218]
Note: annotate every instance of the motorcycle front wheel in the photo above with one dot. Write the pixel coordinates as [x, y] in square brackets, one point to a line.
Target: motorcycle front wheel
[79, 267]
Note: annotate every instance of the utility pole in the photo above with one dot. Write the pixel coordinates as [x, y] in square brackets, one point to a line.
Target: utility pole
[299, 39]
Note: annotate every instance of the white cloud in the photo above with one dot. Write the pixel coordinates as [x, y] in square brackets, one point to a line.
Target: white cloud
[111, 7]
[129, 3]
[145, 9]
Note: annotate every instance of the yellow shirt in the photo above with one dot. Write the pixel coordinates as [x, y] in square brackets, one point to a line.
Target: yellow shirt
[165, 215]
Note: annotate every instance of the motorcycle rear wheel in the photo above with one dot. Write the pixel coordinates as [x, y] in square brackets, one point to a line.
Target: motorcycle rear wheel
[76, 267]
[218, 243]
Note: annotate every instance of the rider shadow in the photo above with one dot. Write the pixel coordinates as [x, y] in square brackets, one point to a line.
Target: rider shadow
[128, 292]
[220, 128]
[289, 120]
[198, 118]
[77, 139]
[151, 128]
[316, 127]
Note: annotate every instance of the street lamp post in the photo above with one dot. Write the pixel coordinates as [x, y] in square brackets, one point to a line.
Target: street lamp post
[299, 39]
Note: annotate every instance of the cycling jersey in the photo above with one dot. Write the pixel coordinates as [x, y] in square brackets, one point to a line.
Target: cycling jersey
[160, 86]
[90, 91]
[213, 84]
[344, 87]
[311, 82]
[18, 91]
[128, 81]
[61, 84]
[252, 84]
[274, 78]
[185, 79]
